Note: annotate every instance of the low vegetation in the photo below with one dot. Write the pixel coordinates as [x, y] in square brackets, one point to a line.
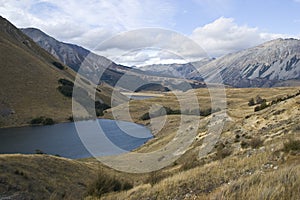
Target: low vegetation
[168, 111]
[264, 104]
[106, 183]
[58, 65]
[66, 87]
[100, 107]
[42, 121]
[292, 146]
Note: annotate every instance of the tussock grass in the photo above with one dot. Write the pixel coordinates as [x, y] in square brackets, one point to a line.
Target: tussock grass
[279, 184]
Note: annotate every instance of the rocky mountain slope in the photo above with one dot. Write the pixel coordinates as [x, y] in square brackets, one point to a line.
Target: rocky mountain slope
[29, 80]
[174, 70]
[270, 64]
[73, 56]
[274, 63]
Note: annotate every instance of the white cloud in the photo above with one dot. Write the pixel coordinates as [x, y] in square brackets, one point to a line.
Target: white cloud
[91, 22]
[84, 21]
[167, 45]
[225, 36]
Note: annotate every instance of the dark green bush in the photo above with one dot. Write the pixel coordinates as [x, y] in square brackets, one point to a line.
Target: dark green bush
[145, 116]
[66, 87]
[42, 121]
[48, 121]
[66, 90]
[58, 65]
[100, 107]
[37, 121]
[71, 119]
[261, 107]
[65, 82]
[38, 151]
[251, 102]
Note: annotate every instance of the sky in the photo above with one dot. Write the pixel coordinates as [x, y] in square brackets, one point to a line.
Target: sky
[219, 27]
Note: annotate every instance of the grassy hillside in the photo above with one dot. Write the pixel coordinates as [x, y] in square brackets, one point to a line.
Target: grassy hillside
[256, 152]
[29, 81]
[43, 177]
[257, 157]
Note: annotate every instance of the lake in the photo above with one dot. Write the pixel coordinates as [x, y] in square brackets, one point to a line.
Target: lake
[63, 139]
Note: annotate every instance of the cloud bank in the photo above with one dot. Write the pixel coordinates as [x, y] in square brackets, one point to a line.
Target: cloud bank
[90, 23]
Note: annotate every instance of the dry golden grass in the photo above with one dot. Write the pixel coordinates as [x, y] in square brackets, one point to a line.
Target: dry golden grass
[29, 81]
[245, 171]
[44, 177]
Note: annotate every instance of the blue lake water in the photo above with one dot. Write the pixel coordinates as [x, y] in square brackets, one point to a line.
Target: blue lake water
[63, 139]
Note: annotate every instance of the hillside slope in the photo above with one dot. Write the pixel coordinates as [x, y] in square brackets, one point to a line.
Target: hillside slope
[43, 177]
[73, 56]
[29, 81]
[256, 151]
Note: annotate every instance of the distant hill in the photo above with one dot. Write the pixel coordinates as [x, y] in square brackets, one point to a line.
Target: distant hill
[29, 80]
[174, 70]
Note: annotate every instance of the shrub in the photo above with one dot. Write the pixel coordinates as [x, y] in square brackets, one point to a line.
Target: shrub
[42, 120]
[251, 102]
[261, 107]
[105, 184]
[58, 65]
[66, 90]
[38, 151]
[291, 145]
[100, 107]
[66, 87]
[65, 82]
[260, 100]
[145, 116]
[71, 119]
[48, 121]
[37, 121]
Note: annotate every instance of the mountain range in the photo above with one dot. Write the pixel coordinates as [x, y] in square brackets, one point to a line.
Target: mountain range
[274, 63]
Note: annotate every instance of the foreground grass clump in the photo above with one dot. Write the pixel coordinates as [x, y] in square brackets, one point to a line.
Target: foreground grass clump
[42, 121]
[106, 183]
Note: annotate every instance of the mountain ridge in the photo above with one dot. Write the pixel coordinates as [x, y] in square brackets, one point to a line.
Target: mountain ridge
[271, 64]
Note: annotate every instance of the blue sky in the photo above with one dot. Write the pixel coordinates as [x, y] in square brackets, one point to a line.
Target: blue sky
[218, 26]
